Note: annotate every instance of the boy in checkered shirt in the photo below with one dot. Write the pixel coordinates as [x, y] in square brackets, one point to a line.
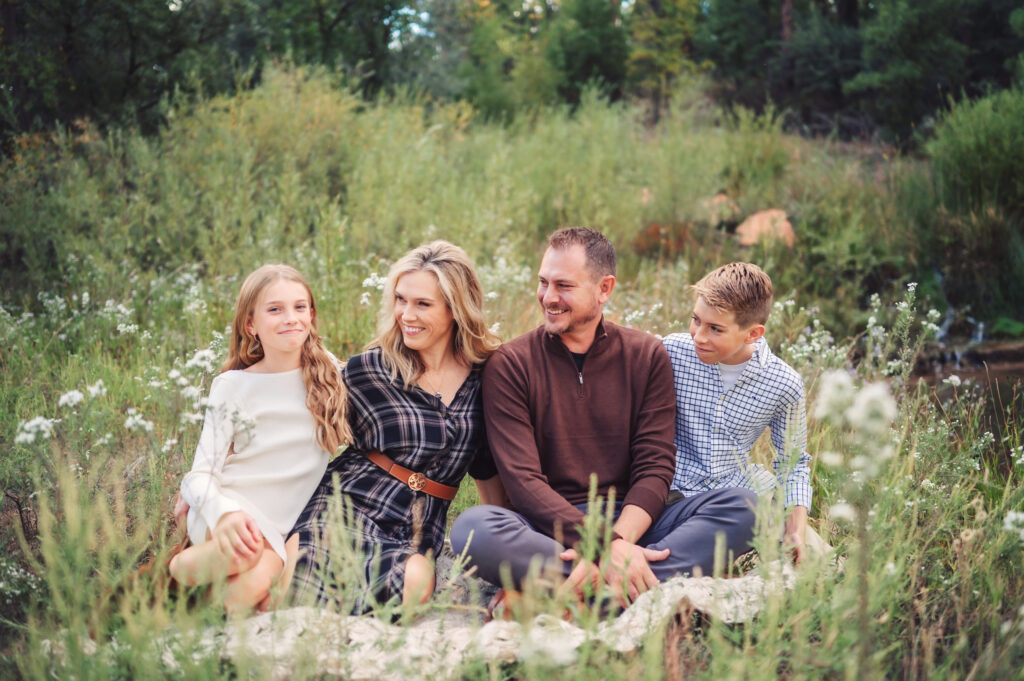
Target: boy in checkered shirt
[729, 388]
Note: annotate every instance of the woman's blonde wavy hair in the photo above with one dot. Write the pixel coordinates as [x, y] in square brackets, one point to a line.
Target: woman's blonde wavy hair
[472, 341]
[325, 393]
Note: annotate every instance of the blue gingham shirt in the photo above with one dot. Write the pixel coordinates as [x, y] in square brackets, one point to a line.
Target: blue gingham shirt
[716, 428]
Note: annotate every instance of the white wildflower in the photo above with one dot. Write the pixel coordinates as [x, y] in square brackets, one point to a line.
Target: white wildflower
[952, 380]
[202, 359]
[168, 445]
[70, 398]
[191, 392]
[375, 281]
[40, 427]
[873, 410]
[173, 374]
[126, 329]
[835, 395]
[842, 511]
[495, 328]
[834, 459]
[135, 421]
[1014, 522]
[890, 568]
[97, 389]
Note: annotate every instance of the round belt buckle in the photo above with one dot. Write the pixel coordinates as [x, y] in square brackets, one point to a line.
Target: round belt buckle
[417, 482]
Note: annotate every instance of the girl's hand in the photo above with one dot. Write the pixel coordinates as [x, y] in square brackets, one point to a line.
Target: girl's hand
[180, 509]
[238, 536]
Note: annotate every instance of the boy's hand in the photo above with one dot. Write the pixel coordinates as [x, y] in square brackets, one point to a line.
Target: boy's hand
[796, 530]
[238, 536]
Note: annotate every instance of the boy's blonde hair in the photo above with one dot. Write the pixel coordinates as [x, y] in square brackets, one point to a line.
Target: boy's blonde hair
[472, 341]
[326, 396]
[741, 288]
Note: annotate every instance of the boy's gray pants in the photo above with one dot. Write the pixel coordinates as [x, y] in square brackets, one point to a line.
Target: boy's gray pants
[686, 527]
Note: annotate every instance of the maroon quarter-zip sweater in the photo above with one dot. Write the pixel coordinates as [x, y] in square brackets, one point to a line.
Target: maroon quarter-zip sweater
[550, 426]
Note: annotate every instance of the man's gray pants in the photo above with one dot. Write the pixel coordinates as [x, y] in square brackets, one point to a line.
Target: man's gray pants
[686, 527]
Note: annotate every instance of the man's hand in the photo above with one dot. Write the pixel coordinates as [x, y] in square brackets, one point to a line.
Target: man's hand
[582, 573]
[627, 570]
[238, 536]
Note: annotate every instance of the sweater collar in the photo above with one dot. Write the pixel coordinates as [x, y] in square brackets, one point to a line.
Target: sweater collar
[600, 333]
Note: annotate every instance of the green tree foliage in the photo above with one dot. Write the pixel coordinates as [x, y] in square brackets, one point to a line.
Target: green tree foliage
[111, 60]
[588, 44]
[662, 47]
[854, 66]
[354, 34]
[740, 38]
[911, 61]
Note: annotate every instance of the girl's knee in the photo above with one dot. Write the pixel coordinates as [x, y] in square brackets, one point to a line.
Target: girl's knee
[419, 579]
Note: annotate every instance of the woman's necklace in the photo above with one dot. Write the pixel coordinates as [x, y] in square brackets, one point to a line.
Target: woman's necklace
[436, 389]
[441, 382]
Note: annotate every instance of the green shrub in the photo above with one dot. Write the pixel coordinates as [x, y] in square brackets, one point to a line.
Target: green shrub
[978, 175]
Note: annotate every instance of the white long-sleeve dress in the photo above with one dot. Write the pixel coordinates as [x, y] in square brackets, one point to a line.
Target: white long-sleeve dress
[257, 453]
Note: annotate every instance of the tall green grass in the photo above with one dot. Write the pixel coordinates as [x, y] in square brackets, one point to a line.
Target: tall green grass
[113, 320]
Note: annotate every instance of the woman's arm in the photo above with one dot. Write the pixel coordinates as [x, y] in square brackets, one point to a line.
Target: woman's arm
[492, 491]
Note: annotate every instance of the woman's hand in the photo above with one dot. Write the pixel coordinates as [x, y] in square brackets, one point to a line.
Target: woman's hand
[238, 537]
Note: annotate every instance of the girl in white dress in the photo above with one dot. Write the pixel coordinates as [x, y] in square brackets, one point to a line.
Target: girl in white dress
[275, 415]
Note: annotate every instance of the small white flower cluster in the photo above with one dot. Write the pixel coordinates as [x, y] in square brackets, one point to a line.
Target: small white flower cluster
[868, 413]
[70, 398]
[1007, 626]
[1014, 522]
[195, 303]
[1019, 454]
[931, 325]
[135, 421]
[97, 389]
[16, 582]
[841, 511]
[374, 282]
[38, 428]
[952, 380]
[203, 360]
[54, 305]
[501, 273]
[633, 316]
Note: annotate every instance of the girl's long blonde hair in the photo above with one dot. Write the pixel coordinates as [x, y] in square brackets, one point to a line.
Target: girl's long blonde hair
[325, 393]
[472, 342]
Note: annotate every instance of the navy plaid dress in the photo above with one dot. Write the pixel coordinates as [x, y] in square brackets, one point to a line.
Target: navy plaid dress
[387, 521]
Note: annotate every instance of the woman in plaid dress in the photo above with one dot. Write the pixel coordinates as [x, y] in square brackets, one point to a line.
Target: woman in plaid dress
[417, 423]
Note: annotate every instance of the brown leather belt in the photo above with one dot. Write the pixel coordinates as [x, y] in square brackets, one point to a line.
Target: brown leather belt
[417, 482]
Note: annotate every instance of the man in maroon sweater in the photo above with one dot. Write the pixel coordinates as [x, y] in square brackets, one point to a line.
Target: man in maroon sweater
[580, 397]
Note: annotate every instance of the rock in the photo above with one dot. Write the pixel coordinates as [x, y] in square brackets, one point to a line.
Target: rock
[435, 645]
[766, 225]
[721, 210]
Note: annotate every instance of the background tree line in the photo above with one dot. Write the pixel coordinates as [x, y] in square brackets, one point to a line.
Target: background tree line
[850, 66]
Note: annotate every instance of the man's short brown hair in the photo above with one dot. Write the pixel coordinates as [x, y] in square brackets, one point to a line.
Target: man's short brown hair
[741, 288]
[599, 251]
